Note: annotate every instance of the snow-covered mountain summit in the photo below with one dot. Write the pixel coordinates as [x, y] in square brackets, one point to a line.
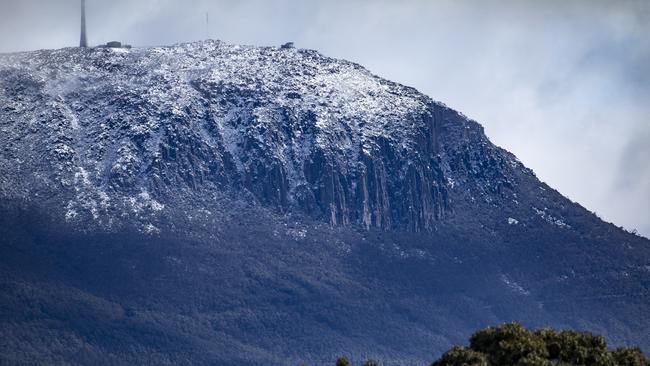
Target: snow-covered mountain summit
[306, 209]
[110, 133]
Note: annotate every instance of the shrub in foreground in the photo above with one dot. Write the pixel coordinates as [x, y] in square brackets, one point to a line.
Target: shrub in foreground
[512, 344]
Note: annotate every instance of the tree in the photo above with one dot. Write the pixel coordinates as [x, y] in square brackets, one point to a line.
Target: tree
[512, 344]
[461, 356]
[508, 344]
[576, 348]
[630, 357]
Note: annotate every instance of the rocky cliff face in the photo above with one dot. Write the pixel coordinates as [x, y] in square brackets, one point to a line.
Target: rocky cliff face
[106, 132]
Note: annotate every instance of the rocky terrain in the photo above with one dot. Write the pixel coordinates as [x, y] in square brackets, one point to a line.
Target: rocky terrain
[210, 202]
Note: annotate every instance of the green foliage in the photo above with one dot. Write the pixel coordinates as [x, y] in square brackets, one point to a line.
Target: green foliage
[512, 344]
[508, 345]
[461, 356]
[629, 357]
[576, 348]
[342, 361]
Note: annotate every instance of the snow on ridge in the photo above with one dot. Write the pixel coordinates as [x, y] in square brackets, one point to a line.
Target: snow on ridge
[551, 219]
[514, 286]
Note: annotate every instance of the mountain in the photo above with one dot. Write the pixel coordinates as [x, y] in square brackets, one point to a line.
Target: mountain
[209, 203]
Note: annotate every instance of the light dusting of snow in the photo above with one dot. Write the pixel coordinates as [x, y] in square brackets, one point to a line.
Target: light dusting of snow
[70, 214]
[551, 219]
[81, 177]
[516, 287]
[143, 202]
[451, 183]
[297, 234]
[151, 229]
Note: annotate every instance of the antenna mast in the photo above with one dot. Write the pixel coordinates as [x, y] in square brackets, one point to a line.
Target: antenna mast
[83, 42]
[207, 25]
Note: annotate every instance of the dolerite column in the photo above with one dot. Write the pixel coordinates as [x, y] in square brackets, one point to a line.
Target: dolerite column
[84, 39]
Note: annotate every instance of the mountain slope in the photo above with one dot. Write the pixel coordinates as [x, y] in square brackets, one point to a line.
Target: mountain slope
[249, 204]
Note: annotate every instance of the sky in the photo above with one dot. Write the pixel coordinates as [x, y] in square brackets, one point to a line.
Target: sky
[563, 84]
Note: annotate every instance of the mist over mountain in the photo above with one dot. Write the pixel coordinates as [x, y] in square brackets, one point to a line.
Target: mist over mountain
[214, 203]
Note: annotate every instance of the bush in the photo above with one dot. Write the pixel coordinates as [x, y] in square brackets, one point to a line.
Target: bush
[460, 356]
[508, 344]
[342, 361]
[512, 344]
[629, 357]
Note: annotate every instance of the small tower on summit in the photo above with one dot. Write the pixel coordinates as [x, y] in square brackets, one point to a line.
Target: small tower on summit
[83, 42]
[207, 25]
